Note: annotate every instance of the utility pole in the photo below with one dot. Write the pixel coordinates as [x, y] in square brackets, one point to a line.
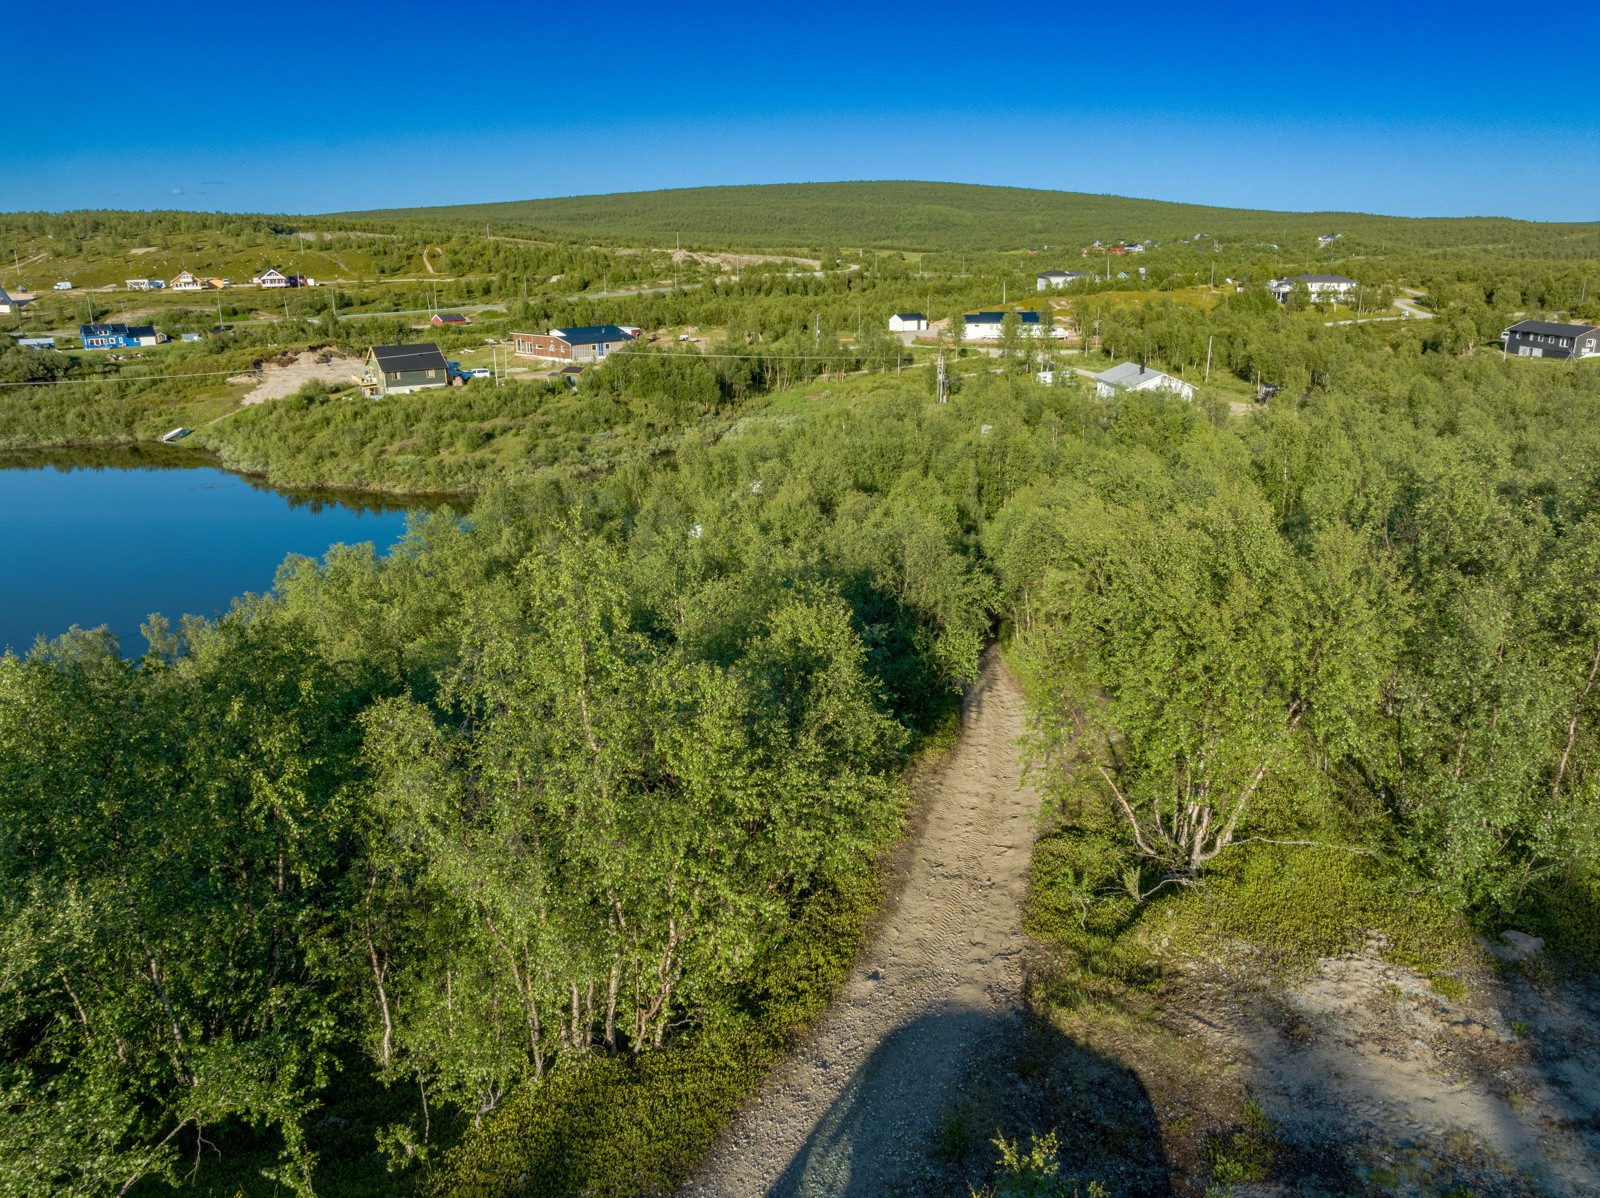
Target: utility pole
[1209, 340]
[942, 385]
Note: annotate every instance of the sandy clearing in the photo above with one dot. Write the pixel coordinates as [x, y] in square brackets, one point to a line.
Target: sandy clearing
[276, 381]
[1367, 1064]
[735, 262]
[853, 1111]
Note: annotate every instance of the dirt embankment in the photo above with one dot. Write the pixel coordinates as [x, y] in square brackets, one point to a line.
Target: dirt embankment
[278, 378]
[852, 1113]
[1375, 1078]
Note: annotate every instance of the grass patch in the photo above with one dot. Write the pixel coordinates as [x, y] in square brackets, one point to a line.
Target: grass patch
[1293, 905]
[1246, 1153]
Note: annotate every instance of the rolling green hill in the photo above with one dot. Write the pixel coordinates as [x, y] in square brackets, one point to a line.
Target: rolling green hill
[959, 216]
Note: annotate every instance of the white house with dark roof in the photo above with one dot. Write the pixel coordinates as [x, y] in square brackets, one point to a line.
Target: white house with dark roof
[990, 326]
[8, 306]
[908, 322]
[1060, 278]
[1135, 376]
[1322, 288]
[1548, 339]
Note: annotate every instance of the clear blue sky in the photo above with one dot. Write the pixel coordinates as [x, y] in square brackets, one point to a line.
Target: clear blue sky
[1464, 109]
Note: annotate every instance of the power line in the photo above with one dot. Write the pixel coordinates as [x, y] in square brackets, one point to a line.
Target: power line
[132, 378]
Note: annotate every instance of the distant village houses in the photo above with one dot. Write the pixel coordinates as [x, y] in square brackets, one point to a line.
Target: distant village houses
[1135, 376]
[8, 305]
[908, 322]
[187, 281]
[1060, 278]
[271, 278]
[1547, 339]
[450, 318]
[401, 369]
[1321, 288]
[588, 344]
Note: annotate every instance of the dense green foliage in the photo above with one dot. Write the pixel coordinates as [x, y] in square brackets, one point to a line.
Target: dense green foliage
[533, 796]
[516, 855]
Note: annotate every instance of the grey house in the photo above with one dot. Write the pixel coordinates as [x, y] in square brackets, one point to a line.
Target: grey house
[1545, 339]
[397, 369]
[1136, 376]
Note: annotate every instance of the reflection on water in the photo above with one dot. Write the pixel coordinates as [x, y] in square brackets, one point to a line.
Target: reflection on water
[107, 537]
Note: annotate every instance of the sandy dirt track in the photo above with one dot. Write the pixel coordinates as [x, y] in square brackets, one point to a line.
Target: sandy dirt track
[852, 1113]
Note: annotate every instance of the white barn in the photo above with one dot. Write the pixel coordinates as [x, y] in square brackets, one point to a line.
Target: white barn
[1323, 288]
[908, 322]
[1135, 376]
[989, 326]
[1060, 278]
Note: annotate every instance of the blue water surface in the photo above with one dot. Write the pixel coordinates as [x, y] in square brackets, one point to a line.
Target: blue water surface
[109, 538]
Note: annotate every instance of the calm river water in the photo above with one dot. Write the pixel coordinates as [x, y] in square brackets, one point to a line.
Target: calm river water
[110, 537]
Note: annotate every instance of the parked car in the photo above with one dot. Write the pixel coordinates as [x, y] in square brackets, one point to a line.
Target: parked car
[480, 372]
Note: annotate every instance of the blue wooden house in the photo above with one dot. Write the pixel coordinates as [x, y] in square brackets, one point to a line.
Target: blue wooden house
[118, 336]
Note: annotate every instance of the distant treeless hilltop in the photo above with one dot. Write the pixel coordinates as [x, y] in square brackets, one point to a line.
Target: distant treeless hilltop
[950, 216]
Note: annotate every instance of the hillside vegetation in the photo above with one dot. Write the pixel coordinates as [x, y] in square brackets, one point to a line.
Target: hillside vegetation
[962, 216]
[507, 862]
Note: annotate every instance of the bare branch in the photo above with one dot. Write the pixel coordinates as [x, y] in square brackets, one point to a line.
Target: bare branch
[1133, 820]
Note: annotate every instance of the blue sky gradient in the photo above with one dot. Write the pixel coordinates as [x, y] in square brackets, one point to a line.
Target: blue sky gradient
[306, 108]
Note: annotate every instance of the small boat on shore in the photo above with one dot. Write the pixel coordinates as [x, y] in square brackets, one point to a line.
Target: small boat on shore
[176, 435]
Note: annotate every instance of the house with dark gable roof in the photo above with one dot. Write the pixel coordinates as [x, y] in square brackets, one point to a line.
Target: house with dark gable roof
[1547, 339]
[400, 369]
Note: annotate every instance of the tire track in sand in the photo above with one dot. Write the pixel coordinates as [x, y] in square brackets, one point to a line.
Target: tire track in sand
[852, 1112]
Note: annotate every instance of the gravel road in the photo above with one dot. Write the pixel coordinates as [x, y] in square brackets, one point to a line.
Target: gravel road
[853, 1112]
